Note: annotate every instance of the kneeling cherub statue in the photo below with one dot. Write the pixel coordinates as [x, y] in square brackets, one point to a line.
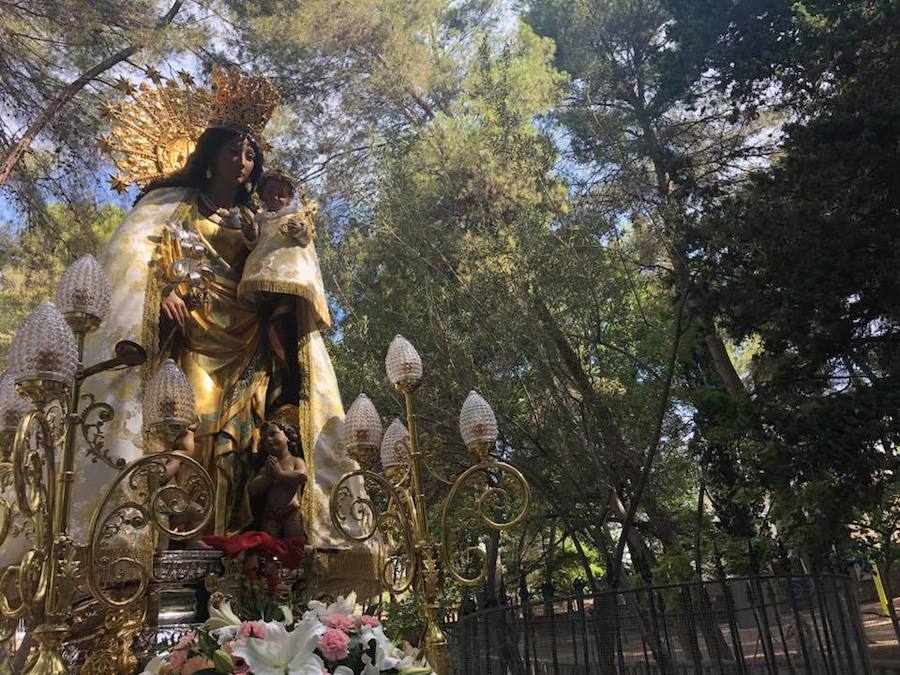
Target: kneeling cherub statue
[280, 478]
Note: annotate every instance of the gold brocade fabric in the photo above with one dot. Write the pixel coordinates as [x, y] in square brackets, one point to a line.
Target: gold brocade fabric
[223, 362]
[223, 340]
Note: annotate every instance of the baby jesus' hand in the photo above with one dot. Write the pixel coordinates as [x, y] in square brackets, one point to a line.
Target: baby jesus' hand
[299, 231]
[250, 230]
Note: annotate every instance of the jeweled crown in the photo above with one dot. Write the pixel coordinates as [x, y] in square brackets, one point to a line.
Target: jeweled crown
[241, 102]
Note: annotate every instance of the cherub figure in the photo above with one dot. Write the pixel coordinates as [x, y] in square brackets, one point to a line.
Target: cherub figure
[278, 484]
[191, 516]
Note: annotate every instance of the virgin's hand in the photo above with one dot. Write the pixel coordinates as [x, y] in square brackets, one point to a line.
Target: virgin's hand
[272, 465]
[173, 308]
[250, 229]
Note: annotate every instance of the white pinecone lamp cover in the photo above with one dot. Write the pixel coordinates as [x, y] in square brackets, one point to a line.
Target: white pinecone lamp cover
[403, 363]
[393, 454]
[362, 425]
[477, 422]
[84, 288]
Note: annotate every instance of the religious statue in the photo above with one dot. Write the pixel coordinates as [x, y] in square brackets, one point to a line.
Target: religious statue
[236, 299]
[279, 216]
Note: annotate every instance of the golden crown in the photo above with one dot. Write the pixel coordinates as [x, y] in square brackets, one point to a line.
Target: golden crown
[241, 102]
[155, 132]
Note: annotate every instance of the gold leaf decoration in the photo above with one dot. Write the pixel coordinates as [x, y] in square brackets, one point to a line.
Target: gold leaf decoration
[154, 130]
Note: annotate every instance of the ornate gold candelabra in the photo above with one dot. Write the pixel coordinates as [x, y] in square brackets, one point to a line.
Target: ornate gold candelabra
[415, 562]
[44, 419]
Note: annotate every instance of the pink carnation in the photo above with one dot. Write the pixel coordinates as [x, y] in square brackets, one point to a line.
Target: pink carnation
[177, 659]
[186, 640]
[367, 620]
[179, 654]
[334, 644]
[339, 621]
[252, 629]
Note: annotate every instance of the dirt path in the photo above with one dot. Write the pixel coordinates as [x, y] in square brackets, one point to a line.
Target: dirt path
[883, 646]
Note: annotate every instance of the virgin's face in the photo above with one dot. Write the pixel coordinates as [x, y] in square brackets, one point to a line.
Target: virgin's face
[274, 440]
[235, 161]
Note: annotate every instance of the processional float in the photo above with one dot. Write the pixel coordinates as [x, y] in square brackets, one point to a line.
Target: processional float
[51, 433]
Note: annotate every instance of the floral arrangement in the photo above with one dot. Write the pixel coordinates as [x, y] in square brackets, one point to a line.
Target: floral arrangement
[327, 639]
[257, 560]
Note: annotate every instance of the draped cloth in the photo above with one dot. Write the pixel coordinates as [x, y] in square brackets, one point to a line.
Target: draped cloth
[225, 340]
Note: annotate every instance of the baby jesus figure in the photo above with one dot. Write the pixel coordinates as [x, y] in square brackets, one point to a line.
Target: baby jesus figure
[276, 192]
[278, 484]
[283, 257]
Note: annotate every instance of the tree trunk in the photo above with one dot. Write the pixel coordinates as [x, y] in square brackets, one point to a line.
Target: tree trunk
[653, 449]
[585, 563]
[715, 346]
[490, 581]
[68, 94]
[606, 422]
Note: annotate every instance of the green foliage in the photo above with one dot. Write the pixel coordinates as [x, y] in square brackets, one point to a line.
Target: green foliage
[797, 262]
[357, 77]
[471, 224]
[811, 273]
[404, 619]
[31, 261]
[801, 263]
[44, 47]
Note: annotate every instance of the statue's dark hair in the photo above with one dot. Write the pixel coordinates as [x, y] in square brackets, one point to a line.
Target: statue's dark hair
[193, 174]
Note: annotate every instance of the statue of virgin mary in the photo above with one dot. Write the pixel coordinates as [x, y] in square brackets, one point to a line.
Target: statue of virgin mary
[248, 358]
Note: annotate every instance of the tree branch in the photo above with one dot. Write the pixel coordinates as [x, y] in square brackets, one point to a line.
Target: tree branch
[652, 450]
[69, 93]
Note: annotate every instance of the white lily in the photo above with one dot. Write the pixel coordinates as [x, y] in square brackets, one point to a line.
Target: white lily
[223, 623]
[342, 670]
[340, 606]
[154, 667]
[282, 652]
[222, 616]
[287, 614]
[387, 654]
[420, 665]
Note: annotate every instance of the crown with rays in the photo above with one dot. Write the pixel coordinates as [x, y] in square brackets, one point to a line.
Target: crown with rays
[155, 128]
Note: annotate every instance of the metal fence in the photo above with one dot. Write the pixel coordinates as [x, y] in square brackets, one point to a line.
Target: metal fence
[753, 625]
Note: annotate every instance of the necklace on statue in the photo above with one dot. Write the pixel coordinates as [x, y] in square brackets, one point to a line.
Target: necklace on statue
[214, 208]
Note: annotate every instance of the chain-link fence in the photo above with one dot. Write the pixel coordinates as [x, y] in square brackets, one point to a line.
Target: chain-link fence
[753, 625]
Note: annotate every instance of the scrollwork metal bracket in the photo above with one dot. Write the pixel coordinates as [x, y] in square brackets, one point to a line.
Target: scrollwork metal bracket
[488, 493]
[91, 422]
[145, 501]
[393, 522]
